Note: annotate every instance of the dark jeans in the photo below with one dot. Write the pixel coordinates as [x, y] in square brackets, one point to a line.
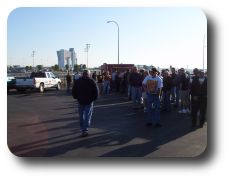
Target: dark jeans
[68, 87]
[166, 101]
[199, 105]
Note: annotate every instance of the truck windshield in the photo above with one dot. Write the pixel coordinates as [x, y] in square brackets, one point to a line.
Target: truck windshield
[52, 75]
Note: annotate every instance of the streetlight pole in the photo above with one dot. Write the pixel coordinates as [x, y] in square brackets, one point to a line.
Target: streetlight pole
[118, 36]
[203, 51]
[87, 50]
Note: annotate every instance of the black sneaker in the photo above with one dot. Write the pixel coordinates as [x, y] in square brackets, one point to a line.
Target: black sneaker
[84, 134]
[148, 124]
[158, 125]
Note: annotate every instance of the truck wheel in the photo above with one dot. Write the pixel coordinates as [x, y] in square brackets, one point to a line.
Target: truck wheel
[58, 86]
[41, 87]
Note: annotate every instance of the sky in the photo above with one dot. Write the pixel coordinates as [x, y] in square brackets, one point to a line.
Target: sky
[148, 36]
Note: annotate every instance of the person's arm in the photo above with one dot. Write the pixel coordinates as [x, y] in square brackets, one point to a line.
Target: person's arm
[145, 87]
[75, 90]
[160, 86]
[144, 84]
[95, 90]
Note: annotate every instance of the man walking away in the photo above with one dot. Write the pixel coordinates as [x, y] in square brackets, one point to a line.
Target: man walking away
[167, 87]
[199, 97]
[85, 91]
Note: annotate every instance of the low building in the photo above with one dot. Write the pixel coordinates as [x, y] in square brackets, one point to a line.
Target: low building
[118, 67]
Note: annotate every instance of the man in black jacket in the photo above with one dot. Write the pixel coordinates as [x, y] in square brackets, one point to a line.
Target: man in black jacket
[199, 97]
[85, 91]
[135, 81]
[167, 86]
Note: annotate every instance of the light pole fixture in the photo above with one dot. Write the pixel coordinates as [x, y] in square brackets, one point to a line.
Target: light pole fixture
[118, 36]
[87, 50]
[203, 50]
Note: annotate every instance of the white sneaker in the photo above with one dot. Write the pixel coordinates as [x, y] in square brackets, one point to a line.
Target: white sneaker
[181, 111]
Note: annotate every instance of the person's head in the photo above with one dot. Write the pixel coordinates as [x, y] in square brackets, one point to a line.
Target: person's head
[154, 71]
[146, 73]
[166, 73]
[182, 71]
[141, 71]
[201, 73]
[195, 72]
[173, 70]
[134, 69]
[85, 73]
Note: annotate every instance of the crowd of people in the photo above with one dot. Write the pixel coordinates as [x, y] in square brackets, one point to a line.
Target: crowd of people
[155, 91]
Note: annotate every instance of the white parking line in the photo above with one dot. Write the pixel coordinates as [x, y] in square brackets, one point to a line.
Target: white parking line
[114, 104]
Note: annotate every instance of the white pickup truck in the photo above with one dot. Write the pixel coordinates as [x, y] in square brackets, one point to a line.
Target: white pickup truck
[38, 80]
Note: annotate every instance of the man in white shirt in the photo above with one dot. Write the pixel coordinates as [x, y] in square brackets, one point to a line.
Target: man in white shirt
[152, 85]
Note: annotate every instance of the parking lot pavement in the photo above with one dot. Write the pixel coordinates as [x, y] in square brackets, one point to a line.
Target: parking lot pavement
[48, 125]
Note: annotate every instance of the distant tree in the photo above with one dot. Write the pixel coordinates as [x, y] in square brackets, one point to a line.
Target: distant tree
[55, 67]
[77, 67]
[27, 68]
[39, 67]
[67, 66]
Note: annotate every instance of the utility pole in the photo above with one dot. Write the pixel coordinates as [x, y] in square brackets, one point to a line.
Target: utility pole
[87, 50]
[33, 54]
[204, 50]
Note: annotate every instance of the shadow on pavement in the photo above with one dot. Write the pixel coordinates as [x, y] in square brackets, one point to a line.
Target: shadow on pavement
[117, 131]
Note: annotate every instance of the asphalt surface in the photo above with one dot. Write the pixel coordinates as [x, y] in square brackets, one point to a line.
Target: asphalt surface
[47, 125]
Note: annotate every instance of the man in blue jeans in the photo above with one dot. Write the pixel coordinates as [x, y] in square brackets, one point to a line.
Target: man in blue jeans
[85, 91]
[152, 85]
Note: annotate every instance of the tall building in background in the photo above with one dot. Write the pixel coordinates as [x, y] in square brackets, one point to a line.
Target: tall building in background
[66, 57]
[73, 58]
